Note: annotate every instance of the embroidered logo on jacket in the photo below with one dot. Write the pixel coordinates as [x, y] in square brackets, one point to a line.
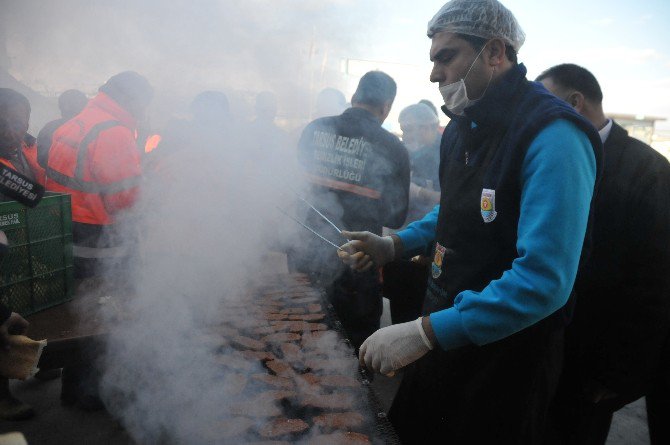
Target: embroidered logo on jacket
[488, 205]
[437, 261]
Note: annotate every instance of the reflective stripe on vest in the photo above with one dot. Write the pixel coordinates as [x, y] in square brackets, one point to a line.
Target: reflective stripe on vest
[78, 183]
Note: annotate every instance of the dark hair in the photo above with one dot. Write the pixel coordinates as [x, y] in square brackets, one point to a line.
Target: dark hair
[71, 102]
[479, 42]
[375, 89]
[130, 90]
[571, 76]
[9, 97]
[210, 106]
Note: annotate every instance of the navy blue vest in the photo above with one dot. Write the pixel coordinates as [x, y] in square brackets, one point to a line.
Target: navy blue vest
[507, 119]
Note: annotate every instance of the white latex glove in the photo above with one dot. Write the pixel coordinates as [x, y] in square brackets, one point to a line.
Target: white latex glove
[366, 249]
[394, 347]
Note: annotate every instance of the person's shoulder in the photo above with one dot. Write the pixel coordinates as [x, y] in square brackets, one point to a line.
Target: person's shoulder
[387, 138]
[634, 150]
[560, 141]
[51, 126]
[328, 123]
[29, 140]
[556, 131]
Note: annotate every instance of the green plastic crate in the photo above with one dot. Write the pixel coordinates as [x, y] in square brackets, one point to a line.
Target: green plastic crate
[37, 273]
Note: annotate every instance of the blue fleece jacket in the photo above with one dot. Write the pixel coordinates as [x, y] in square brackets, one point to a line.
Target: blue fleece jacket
[557, 186]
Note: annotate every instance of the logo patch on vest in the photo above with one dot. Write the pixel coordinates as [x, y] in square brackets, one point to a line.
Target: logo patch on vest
[437, 260]
[488, 205]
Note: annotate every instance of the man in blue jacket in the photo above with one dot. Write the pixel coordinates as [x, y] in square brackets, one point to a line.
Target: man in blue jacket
[517, 174]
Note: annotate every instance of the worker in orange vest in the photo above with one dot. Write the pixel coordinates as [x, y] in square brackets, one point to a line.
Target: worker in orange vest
[70, 104]
[17, 152]
[95, 158]
[18, 149]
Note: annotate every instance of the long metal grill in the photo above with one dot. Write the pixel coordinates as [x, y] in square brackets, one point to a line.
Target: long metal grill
[311, 390]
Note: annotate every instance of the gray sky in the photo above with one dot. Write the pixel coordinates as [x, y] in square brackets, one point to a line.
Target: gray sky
[293, 45]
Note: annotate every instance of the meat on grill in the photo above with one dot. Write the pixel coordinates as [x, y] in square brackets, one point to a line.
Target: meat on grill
[283, 426]
[248, 343]
[280, 368]
[340, 438]
[281, 337]
[290, 351]
[338, 381]
[268, 442]
[258, 355]
[263, 405]
[339, 421]
[277, 316]
[273, 380]
[329, 401]
[293, 310]
[307, 317]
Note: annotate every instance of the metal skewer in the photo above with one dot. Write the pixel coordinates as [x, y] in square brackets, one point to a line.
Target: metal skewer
[310, 229]
[316, 210]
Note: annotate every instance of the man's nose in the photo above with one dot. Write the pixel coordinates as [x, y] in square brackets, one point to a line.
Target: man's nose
[436, 75]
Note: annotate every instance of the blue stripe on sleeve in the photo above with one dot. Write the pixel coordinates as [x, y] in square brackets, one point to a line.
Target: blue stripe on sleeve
[417, 236]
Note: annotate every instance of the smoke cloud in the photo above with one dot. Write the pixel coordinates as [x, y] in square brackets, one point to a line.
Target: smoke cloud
[206, 227]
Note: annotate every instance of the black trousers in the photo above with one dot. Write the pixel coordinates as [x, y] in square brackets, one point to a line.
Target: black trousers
[658, 401]
[575, 419]
[357, 300]
[404, 284]
[492, 394]
[658, 413]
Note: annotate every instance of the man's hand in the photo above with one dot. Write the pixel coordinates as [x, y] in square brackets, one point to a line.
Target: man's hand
[414, 192]
[394, 347]
[14, 325]
[423, 194]
[366, 249]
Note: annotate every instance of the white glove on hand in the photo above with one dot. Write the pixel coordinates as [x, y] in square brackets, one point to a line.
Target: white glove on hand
[394, 347]
[366, 249]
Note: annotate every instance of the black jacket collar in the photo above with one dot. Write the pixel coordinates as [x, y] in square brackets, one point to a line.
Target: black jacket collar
[493, 110]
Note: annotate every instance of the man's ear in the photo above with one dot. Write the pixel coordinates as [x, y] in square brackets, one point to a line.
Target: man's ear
[496, 52]
[576, 101]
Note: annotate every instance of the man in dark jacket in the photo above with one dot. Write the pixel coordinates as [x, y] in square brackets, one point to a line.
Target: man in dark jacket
[621, 318]
[70, 103]
[404, 281]
[359, 177]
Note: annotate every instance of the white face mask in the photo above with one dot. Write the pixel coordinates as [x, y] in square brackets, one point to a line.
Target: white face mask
[455, 94]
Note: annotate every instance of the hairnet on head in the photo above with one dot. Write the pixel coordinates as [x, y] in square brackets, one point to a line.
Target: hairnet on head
[487, 19]
[419, 114]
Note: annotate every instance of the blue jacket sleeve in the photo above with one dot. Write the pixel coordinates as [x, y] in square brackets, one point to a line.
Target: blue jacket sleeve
[417, 236]
[557, 179]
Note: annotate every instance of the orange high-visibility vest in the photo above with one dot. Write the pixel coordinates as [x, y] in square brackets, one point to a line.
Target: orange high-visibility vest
[94, 157]
[29, 148]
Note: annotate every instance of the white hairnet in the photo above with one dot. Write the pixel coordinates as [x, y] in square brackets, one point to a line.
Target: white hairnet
[487, 19]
